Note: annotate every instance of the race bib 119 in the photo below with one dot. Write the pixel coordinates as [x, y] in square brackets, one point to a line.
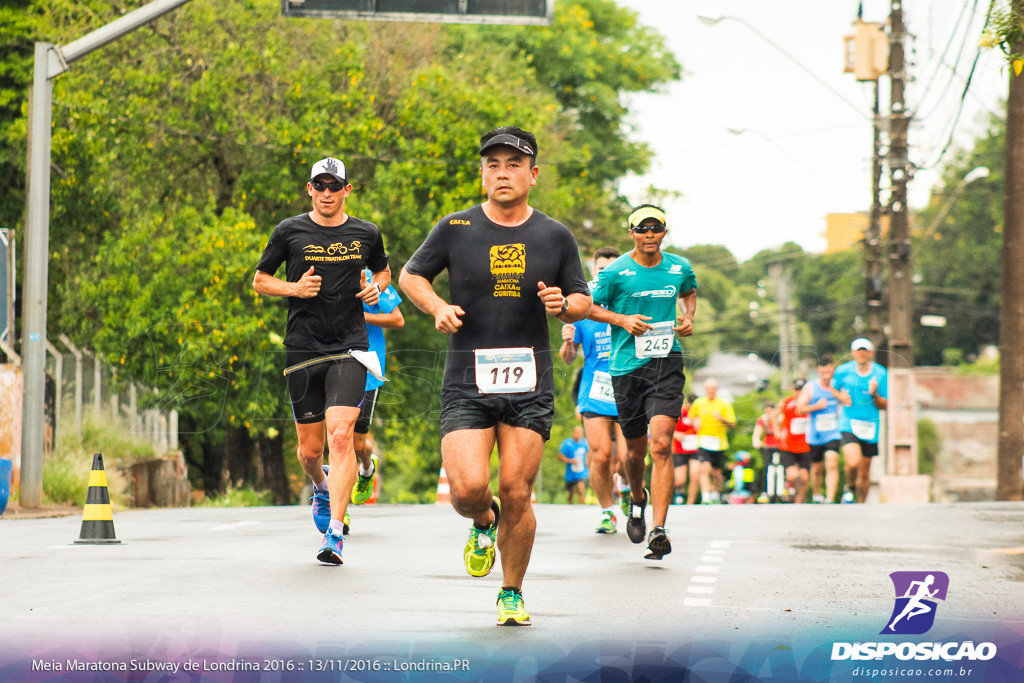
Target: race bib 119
[505, 371]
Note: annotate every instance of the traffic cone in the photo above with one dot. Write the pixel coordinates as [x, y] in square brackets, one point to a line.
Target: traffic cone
[444, 492]
[98, 517]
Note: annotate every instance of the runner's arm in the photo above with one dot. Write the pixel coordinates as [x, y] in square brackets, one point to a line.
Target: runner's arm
[422, 294]
[390, 321]
[803, 401]
[757, 438]
[634, 324]
[306, 287]
[684, 325]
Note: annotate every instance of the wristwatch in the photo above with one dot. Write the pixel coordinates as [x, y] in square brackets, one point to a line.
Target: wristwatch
[565, 305]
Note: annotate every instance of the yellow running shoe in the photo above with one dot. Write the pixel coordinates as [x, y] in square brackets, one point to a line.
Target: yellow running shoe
[345, 520]
[479, 552]
[512, 609]
[363, 489]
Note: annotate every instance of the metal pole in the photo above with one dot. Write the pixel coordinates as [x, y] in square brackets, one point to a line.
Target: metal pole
[97, 387]
[50, 62]
[78, 381]
[58, 391]
[37, 238]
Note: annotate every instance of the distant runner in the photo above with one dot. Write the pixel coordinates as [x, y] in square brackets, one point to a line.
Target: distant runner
[863, 386]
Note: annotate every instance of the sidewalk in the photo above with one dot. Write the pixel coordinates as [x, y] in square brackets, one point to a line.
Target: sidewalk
[15, 511]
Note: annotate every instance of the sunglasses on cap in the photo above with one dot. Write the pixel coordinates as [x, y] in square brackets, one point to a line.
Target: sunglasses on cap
[644, 229]
[333, 186]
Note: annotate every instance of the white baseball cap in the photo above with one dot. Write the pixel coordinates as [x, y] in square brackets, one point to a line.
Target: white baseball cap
[329, 166]
[862, 343]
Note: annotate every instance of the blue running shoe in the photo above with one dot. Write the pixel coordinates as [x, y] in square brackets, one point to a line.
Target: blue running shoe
[322, 507]
[330, 551]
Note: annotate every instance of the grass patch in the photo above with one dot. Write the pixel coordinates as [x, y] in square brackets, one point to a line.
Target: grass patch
[239, 498]
[66, 469]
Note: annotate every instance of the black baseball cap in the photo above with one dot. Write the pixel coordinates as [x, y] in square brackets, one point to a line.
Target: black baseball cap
[513, 141]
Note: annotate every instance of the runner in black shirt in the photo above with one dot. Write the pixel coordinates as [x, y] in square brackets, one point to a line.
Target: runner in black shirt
[326, 251]
[509, 266]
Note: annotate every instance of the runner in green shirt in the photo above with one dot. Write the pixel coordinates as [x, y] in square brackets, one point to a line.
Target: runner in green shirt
[638, 295]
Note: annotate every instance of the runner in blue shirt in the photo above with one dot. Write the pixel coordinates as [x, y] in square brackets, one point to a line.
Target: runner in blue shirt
[573, 452]
[381, 315]
[863, 388]
[596, 400]
[820, 402]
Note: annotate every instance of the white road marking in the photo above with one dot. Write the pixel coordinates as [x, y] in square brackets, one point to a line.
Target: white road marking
[708, 569]
[232, 525]
[697, 602]
[719, 544]
[711, 558]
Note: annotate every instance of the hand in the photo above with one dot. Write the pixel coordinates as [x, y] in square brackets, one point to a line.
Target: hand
[684, 326]
[568, 333]
[551, 297]
[821, 404]
[634, 324]
[368, 291]
[872, 386]
[446, 319]
[308, 285]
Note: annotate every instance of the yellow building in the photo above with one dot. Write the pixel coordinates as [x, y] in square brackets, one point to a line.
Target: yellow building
[846, 230]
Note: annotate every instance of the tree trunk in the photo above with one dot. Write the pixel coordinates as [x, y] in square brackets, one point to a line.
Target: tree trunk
[1009, 481]
[238, 457]
[271, 454]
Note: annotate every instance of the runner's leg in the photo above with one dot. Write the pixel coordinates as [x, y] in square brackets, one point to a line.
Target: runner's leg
[599, 441]
[831, 475]
[662, 427]
[519, 451]
[466, 454]
[340, 423]
[311, 449]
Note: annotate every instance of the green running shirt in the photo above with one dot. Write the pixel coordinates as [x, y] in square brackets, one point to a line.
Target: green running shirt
[626, 287]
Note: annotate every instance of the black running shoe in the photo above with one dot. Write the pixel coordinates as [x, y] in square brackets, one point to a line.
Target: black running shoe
[636, 525]
[658, 545]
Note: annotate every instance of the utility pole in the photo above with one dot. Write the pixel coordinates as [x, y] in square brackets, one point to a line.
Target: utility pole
[867, 57]
[1009, 484]
[50, 61]
[873, 238]
[902, 433]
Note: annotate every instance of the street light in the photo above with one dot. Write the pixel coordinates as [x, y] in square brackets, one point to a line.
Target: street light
[715, 20]
[976, 174]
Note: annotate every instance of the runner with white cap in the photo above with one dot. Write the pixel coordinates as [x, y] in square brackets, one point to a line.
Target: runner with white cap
[863, 390]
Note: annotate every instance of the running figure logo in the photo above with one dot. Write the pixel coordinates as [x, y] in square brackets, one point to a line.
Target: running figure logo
[916, 592]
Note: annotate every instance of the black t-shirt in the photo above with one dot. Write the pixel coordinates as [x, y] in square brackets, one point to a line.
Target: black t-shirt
[333, 320]
[493, 273]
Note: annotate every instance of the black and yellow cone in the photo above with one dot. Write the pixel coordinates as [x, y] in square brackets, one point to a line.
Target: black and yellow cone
[98, 517]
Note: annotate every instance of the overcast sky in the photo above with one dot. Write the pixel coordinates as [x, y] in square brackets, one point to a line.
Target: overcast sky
[805, 149]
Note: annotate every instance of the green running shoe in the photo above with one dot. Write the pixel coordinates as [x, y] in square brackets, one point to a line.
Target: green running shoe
[479, 552]
[345, 520]
[608, 523]
[512, 609]
[624, 502]
[363, 489]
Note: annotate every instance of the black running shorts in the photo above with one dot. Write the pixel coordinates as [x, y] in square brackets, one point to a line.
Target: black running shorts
[716, 458]
[867, 449]
[533, 411]
[366, 412]
[818, 452]
[315, 385]
[655, 388]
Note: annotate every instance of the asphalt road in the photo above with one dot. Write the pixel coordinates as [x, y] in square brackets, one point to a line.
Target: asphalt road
[216, 579]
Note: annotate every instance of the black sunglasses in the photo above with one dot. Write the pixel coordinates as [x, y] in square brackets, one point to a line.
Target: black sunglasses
[320, 185]
[644, 229]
